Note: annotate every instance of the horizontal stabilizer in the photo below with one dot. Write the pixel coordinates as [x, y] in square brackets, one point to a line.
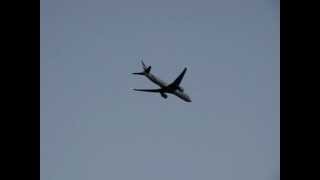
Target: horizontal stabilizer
[149, 90]
[139, 73]
[146, 69]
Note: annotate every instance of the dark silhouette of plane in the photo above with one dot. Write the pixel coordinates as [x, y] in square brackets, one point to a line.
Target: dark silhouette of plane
[173, 88]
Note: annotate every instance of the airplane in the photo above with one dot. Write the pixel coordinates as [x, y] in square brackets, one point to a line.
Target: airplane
[172, 88]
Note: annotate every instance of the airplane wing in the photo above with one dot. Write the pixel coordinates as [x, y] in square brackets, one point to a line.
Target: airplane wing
[149, 90]
[175, 84]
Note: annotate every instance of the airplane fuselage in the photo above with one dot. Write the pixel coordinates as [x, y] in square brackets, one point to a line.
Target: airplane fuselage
[156, 80]
[178, 92]
[184, 96]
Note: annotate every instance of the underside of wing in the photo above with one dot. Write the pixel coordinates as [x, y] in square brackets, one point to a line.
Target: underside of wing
[177, 81]
[149, 90]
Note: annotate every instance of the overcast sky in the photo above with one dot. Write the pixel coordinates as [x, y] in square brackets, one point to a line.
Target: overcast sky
[94, 127]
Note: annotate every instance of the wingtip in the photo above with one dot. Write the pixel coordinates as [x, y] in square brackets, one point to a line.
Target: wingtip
[185, 69]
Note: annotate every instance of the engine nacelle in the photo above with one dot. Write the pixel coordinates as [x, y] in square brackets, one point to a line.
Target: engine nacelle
[164, 95]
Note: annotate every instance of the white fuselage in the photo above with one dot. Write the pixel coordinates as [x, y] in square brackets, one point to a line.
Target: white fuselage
[178, 92]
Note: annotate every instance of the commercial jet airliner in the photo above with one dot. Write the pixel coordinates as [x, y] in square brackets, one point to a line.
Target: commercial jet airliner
[173, 88]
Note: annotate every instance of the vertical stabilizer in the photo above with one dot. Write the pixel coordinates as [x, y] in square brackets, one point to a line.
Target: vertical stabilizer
[146, 69]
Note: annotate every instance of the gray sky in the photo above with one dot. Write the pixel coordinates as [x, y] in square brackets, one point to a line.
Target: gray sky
[93, 126]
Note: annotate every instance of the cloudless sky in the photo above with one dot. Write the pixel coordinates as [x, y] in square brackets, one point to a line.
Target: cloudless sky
[93, 126]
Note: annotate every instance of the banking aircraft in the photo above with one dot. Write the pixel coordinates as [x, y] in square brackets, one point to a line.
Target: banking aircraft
[173, 88]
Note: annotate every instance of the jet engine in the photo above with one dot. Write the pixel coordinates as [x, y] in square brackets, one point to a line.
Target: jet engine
[164, 95]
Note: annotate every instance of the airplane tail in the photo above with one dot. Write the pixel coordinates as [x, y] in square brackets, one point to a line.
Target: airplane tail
[139, 73]
[146, 69]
